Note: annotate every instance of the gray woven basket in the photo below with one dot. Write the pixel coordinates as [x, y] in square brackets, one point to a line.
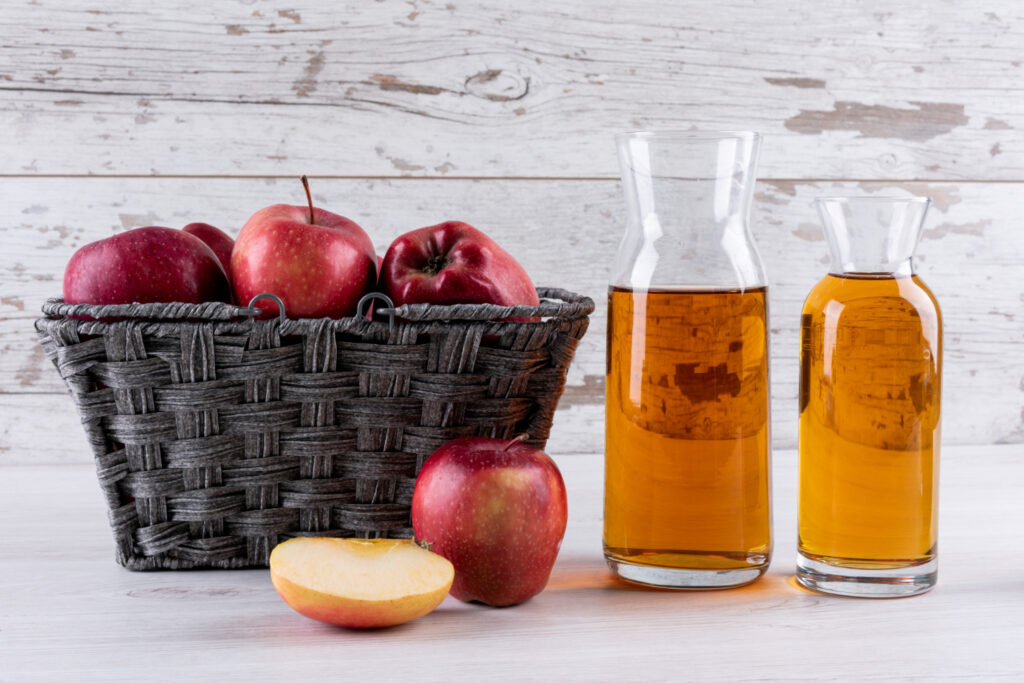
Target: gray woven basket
[217, 436]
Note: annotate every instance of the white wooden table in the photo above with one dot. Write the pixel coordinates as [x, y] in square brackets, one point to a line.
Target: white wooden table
[68, 612]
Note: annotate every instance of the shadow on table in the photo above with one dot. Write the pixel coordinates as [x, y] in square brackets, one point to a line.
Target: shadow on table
[590, 575]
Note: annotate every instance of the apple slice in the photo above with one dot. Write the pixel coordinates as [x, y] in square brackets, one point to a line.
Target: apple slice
[360, 583]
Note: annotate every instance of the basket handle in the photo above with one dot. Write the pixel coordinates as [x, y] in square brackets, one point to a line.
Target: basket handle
[252, 311]
[390, 307]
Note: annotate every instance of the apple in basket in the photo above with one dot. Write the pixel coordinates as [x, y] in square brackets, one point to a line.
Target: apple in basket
[145, 265]
[497, 510]
[319, 263]
[216, 239]
[359, 583]
[453, 263]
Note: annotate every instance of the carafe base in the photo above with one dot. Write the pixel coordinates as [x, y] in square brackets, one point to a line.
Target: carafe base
[686, 578]
[898, 582]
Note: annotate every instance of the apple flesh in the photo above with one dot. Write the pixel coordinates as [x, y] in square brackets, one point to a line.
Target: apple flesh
[359, 583]
[145, 265]
[453, 263]
[497, 510]
[320, 264]
[216, 239]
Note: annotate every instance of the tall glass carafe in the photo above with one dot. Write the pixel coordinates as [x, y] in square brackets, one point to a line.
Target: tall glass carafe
[687, 486]
[870, 382]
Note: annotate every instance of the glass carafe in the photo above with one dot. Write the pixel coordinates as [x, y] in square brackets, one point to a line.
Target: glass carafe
[870, 382]
[687, 485]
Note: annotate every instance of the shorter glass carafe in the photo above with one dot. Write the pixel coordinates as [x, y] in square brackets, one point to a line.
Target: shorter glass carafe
[870, 383]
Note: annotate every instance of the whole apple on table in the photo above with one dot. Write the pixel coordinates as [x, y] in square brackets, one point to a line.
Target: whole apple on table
[497, 509]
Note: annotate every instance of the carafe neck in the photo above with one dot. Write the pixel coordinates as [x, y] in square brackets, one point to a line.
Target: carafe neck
[872, 235]
[688, 202]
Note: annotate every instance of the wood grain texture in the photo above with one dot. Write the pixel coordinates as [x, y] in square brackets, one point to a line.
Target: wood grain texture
[901, 89]
[565, 233]
[68, 612]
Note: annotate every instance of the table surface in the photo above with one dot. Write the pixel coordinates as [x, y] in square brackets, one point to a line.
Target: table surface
[69, 612]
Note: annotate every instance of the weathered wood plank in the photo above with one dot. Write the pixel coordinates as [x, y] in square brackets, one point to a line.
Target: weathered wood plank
[565, 232]
[842, 90]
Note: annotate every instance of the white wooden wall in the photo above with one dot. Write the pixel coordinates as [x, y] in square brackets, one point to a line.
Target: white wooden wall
[115, 115]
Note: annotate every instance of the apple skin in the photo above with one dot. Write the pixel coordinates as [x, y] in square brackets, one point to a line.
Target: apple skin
[353, 613]
[216, 239]
[145, 265]
[319, 269]
[453, 263]
[498, 515]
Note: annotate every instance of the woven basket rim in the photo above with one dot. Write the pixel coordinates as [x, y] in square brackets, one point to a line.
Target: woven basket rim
[554, 303]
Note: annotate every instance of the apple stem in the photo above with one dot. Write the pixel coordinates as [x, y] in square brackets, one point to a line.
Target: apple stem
[513, 442]
[435, 264]
[309, 198]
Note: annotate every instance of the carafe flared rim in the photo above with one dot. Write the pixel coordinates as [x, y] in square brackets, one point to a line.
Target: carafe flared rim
[682, 134]
[872, 234]
[884, 198]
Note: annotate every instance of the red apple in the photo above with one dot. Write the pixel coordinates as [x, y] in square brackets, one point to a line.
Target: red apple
[145, 265]
[369, 309]
[453, 263]
[216, 239]
[497, 510]
[320, 264]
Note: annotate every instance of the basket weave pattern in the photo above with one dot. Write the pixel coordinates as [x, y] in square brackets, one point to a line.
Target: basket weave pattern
[216, 437]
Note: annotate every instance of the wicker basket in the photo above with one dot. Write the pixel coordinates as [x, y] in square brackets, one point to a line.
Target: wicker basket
[217, 436]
